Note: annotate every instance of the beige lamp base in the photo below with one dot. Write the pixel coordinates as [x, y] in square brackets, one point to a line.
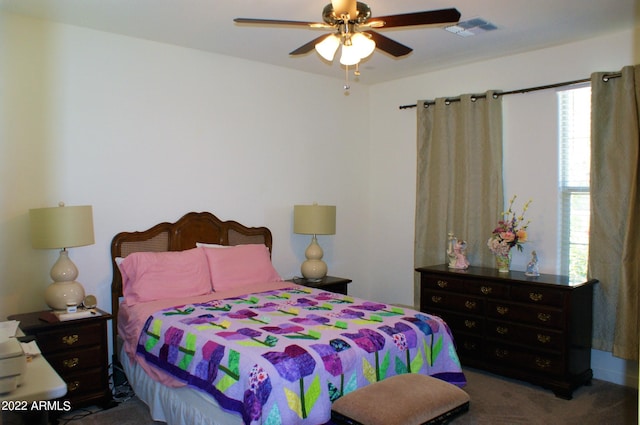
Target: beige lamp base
[314, 268]
[60, 294]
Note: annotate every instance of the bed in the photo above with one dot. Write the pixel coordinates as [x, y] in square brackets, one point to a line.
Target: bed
[207, 331]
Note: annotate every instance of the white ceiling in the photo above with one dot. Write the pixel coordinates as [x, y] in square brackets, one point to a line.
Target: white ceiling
[208, 25]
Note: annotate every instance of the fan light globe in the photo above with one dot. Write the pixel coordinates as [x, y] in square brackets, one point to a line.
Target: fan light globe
[349, 55]
[327, 48]
[363, 44]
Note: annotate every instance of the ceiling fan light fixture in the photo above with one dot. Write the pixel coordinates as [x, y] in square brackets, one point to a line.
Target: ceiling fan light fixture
[327, 48]
[349, 55]
[364, 44]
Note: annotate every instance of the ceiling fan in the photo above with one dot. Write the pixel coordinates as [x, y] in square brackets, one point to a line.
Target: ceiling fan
[350, 22]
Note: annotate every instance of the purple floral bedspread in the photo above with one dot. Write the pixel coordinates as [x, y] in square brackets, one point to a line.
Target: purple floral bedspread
[283, 356]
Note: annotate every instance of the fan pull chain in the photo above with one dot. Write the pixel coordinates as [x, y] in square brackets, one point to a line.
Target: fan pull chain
[346, 78]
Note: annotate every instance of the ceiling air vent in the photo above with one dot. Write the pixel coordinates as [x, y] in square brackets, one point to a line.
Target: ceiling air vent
[471, 27]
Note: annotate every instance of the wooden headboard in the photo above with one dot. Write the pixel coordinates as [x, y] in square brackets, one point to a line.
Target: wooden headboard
[183, 234]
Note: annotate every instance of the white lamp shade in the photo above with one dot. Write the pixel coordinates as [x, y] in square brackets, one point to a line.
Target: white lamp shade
[363, 44]
[61, 227]
[327, 48]
[314, 219]
[349, 55]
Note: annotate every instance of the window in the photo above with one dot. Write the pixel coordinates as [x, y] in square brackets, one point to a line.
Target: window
[574, 110]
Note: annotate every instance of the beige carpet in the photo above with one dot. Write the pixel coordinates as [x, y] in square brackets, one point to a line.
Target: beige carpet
[494, 401]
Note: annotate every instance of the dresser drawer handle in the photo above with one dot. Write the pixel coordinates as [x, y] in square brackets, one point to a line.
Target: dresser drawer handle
[471, 305]
[436, 299]
[470, 345]
[544, 317]
[543, 363]
[502, 309]
[70, 339]
[502, 353]
[442, 283]
[73, 386]
[545, 339]
[486, 290]
[502, 330]
[534, 296]
[71, 363]
[470, 324]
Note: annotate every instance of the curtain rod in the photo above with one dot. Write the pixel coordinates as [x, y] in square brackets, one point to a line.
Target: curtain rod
[605, 78]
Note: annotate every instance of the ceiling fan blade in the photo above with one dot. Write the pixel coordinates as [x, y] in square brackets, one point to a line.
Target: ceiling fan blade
[344, 7]
[306, 48]
[388, 45]
[430, 17]
[275, 22]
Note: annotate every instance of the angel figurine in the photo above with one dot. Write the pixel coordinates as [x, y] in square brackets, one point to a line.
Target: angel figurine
[532, 267]
[451, 255]
[459, 252]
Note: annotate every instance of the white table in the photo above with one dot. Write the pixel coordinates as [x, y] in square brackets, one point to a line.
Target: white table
[40, 383]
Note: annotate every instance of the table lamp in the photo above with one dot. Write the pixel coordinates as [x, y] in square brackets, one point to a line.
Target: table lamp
[314, 220]
[61, 228]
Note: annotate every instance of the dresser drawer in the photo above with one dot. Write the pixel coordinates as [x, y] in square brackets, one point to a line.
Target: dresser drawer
[443, 283]
[536, 337]
[66, 362]
[461, 303]
[463, 323]
[487, 289]
[70, 337]
[536, 315]
[536, 295]
[536, 361]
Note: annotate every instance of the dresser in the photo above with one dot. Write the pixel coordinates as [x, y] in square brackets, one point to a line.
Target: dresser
[77, 350]
[537, 329]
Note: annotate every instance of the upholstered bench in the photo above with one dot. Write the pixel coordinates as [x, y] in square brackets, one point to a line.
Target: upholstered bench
[407, 399]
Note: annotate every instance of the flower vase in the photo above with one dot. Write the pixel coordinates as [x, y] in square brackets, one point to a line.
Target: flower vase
[503, 262]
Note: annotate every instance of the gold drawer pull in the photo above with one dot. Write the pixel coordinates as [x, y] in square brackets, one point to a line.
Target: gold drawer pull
[70, 339]
[443, 283]
[486, 290]
[71, 363]
[72, 386]
[502, 353]
[534, 296]
[502, 309]
[470, 304]
[470, 324]
[470, 345]
[545, 339]
[544, 317]
[502, 330]
[543, 363]
[436, 299]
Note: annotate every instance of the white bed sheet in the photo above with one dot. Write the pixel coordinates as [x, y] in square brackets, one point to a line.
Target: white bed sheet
[175, 406]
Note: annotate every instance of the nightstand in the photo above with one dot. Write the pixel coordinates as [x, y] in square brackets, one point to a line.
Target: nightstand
[328, 283]
[78, 351]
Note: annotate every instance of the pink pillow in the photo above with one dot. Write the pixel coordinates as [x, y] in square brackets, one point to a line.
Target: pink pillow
[149, 276]
[240, 265]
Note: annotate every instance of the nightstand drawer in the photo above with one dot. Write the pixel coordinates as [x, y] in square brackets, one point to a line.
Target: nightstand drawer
[85, 382]
[71, 360]
[69, 337]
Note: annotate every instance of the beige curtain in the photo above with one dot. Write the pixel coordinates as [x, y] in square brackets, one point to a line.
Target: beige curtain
[614, 242]
[459, 178]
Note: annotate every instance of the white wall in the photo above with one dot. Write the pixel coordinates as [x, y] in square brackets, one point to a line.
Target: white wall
[530, 155]
[146, 132]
